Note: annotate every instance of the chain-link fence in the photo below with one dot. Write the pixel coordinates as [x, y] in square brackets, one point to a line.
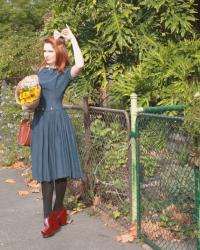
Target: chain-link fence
[103, 141]
[167, 183]
[167, 178]
[109, 160]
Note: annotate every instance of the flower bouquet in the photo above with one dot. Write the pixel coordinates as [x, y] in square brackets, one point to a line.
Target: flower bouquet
[28, 92]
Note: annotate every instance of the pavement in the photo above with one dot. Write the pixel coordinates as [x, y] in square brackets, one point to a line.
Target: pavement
[21, 220]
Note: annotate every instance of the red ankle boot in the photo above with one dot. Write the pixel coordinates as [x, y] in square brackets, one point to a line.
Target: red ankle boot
[51, 225]
[61, 216]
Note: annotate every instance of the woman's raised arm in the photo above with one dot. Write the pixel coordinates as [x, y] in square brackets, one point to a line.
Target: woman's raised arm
[78, 56]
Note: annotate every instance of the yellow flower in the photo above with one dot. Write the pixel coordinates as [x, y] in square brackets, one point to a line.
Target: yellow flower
[21, 96]
[34, 88]
[28, 95]
[25, 94]
[34, 97]
[22, 102]
[36, 92]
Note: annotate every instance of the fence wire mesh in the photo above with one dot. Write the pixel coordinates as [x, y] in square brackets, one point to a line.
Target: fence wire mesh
[74, 193]
[102, 138]
[167, 183]
[109, 147]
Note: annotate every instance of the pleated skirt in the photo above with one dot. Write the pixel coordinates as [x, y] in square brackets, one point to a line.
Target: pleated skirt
[54, 151]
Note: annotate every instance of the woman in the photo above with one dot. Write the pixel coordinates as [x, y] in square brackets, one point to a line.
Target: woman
[53, 148]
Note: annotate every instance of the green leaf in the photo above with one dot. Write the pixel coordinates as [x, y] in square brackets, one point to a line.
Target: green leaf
[116, 214]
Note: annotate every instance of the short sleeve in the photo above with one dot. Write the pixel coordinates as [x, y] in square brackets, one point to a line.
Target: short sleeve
[67, 74]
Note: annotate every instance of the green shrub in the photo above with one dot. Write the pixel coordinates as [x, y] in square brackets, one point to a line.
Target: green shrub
[192, 125]
[192, 117]
[109, 143]
[10, 117]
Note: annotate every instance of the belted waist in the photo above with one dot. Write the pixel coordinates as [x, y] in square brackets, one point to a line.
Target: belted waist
[51, 108]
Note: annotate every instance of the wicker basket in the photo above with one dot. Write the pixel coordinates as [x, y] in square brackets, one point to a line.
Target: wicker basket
[30, 88]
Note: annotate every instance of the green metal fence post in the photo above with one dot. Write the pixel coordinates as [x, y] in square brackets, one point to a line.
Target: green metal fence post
[197, 200]
[134, 174]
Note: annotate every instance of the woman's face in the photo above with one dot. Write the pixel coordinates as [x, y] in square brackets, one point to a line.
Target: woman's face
[49, 54]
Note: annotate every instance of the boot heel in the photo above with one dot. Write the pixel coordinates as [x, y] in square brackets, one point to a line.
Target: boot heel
[63, 221]
[62, 216]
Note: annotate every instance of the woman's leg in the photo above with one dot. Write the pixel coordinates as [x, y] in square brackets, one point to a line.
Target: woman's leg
[50, 220]
[47, 194]
[60, 187]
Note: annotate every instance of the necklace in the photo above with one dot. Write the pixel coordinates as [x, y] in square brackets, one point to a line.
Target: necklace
[50, 67]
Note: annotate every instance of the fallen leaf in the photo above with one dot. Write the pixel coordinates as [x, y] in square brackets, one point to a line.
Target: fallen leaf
[38, 199]
[76, 211]
[181, 218]
[10, 181]
[26, 171]
[153, 231]
[17, 165]
[124, 238]
[128, 236]
[178, 216]
[35, 190]
[73, 212]
[27, 180]
[24, 174]
[79, 209]
[34, 184]
[133, 230]
[69, 221]
[22, 193]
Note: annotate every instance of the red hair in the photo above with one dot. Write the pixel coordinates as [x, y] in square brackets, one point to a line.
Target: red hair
[62, 59]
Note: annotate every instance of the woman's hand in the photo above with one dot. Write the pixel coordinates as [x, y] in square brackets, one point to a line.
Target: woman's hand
[67, 33]
[79, 62]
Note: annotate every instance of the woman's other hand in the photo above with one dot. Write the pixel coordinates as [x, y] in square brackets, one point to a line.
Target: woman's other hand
[67, 33]
[79, 62]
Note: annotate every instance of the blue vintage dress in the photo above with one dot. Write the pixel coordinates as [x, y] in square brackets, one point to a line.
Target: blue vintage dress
[54, 151]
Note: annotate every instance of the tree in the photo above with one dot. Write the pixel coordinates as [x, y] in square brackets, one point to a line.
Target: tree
[104, 30]
[19, 56]
[127, 47]
[20, 24]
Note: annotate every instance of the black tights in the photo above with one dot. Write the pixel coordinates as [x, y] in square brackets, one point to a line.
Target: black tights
[47, 194]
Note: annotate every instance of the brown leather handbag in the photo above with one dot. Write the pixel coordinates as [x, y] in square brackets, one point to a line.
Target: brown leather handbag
[24, 133]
